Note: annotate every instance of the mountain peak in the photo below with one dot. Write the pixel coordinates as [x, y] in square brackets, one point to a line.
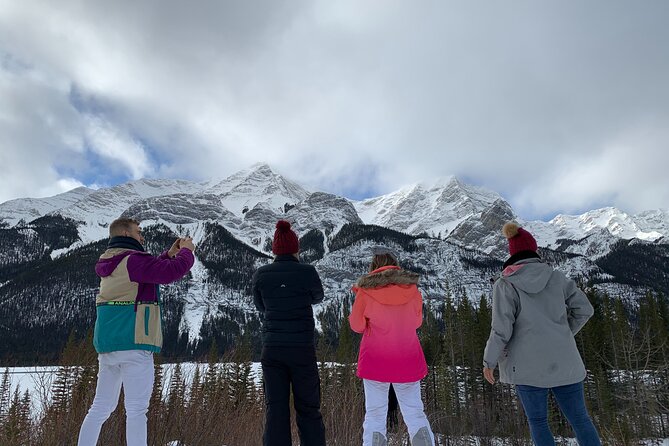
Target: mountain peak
[256, 184]
[254, 170]
[440, 183]
[433, 206]
[260, 166]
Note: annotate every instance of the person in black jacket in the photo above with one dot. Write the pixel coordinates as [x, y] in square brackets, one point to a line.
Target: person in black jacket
[283, 293]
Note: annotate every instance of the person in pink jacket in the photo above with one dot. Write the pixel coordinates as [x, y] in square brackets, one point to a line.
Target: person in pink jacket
[388, 309]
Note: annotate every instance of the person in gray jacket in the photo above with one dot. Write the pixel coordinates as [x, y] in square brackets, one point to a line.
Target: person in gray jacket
[536, 312]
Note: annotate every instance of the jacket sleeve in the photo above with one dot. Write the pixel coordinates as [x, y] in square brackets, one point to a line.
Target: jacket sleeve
[357, 319]
[159, 270]
[317, 293]
[579, 309]
[504, 307]
[257, 297]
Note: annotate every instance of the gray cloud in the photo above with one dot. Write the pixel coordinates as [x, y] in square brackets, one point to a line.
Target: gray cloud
[560, 107]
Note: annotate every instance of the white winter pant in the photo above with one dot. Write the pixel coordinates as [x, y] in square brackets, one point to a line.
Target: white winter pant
[376, 409]
[134, 370]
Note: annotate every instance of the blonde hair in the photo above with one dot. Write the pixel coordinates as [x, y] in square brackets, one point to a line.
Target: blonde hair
[118, 226]
[380, 260]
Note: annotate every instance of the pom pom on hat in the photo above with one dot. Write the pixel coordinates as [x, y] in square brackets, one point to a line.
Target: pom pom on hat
[510, 229]
[285, 240]
[519, 239]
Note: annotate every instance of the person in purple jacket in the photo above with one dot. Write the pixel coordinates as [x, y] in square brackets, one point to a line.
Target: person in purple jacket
[128, 327]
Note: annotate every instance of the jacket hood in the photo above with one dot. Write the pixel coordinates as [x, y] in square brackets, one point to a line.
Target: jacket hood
[530, 276]
[389, 285]
[110, 259]
[517, 257]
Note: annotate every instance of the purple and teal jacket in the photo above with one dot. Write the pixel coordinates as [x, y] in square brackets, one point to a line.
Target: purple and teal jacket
[128, 303]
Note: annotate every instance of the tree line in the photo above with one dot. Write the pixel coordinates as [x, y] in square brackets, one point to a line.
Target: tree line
[625, 348]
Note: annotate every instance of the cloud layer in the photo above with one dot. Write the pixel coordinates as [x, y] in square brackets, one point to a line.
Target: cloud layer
[559, 107]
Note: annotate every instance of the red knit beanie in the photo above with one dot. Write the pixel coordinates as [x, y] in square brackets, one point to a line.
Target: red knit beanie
[519, 239]
[285, 240]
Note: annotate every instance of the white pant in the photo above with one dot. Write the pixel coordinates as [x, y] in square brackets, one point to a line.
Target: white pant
[134, 370]
[376, 408]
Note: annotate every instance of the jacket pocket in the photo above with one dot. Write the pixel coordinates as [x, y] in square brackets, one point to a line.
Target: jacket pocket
[148, 327]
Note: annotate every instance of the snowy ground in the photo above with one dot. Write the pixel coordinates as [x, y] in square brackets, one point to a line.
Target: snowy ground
[39, 380]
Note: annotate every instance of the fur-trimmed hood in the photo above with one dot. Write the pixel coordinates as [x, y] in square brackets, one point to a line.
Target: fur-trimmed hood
[389, 285]
[387, 275]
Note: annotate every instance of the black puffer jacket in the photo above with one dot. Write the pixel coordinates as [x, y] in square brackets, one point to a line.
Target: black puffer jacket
[283, 292]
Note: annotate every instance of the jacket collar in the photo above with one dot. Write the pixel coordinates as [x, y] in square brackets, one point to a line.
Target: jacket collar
[125, 243]
[522, 255]
[286, 258]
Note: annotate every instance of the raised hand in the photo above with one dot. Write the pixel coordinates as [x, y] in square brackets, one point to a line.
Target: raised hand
[174, 249]
[187, 242]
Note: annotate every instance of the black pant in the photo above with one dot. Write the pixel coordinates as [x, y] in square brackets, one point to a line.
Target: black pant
[281, 367]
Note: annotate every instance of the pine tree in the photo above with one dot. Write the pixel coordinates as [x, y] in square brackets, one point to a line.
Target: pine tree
[652, 328]
[621, 339]
[16, 428]
[470, 367]
[623, 360]
[176, 400]
[5, 395]
[239, 372]
[482, 324]
[196, 392]
[450, 348]
[62, 389]
[211, 384]
[651, 341]
[483, 321]
[25, 413]
[194, 412]
[663, 371]
[156, 426]
[430, 336]
[345, 349]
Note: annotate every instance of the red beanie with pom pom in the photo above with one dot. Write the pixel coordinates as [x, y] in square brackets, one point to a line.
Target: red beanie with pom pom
[519, 239]
[285, 240]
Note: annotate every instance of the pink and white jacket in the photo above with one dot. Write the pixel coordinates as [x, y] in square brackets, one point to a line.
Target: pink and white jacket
[388, 309]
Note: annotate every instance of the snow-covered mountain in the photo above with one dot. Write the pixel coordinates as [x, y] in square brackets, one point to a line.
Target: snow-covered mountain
[655, 221]
[28, 209]
[435, 208]
[99, 208]
[245, 189]
[593, 232]
[447, 230]
[249, 202]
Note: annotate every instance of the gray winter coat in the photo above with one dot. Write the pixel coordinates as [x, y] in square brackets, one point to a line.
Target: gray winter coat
[536, 313]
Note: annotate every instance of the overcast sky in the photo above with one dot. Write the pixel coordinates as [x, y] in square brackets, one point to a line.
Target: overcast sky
[560, 106]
